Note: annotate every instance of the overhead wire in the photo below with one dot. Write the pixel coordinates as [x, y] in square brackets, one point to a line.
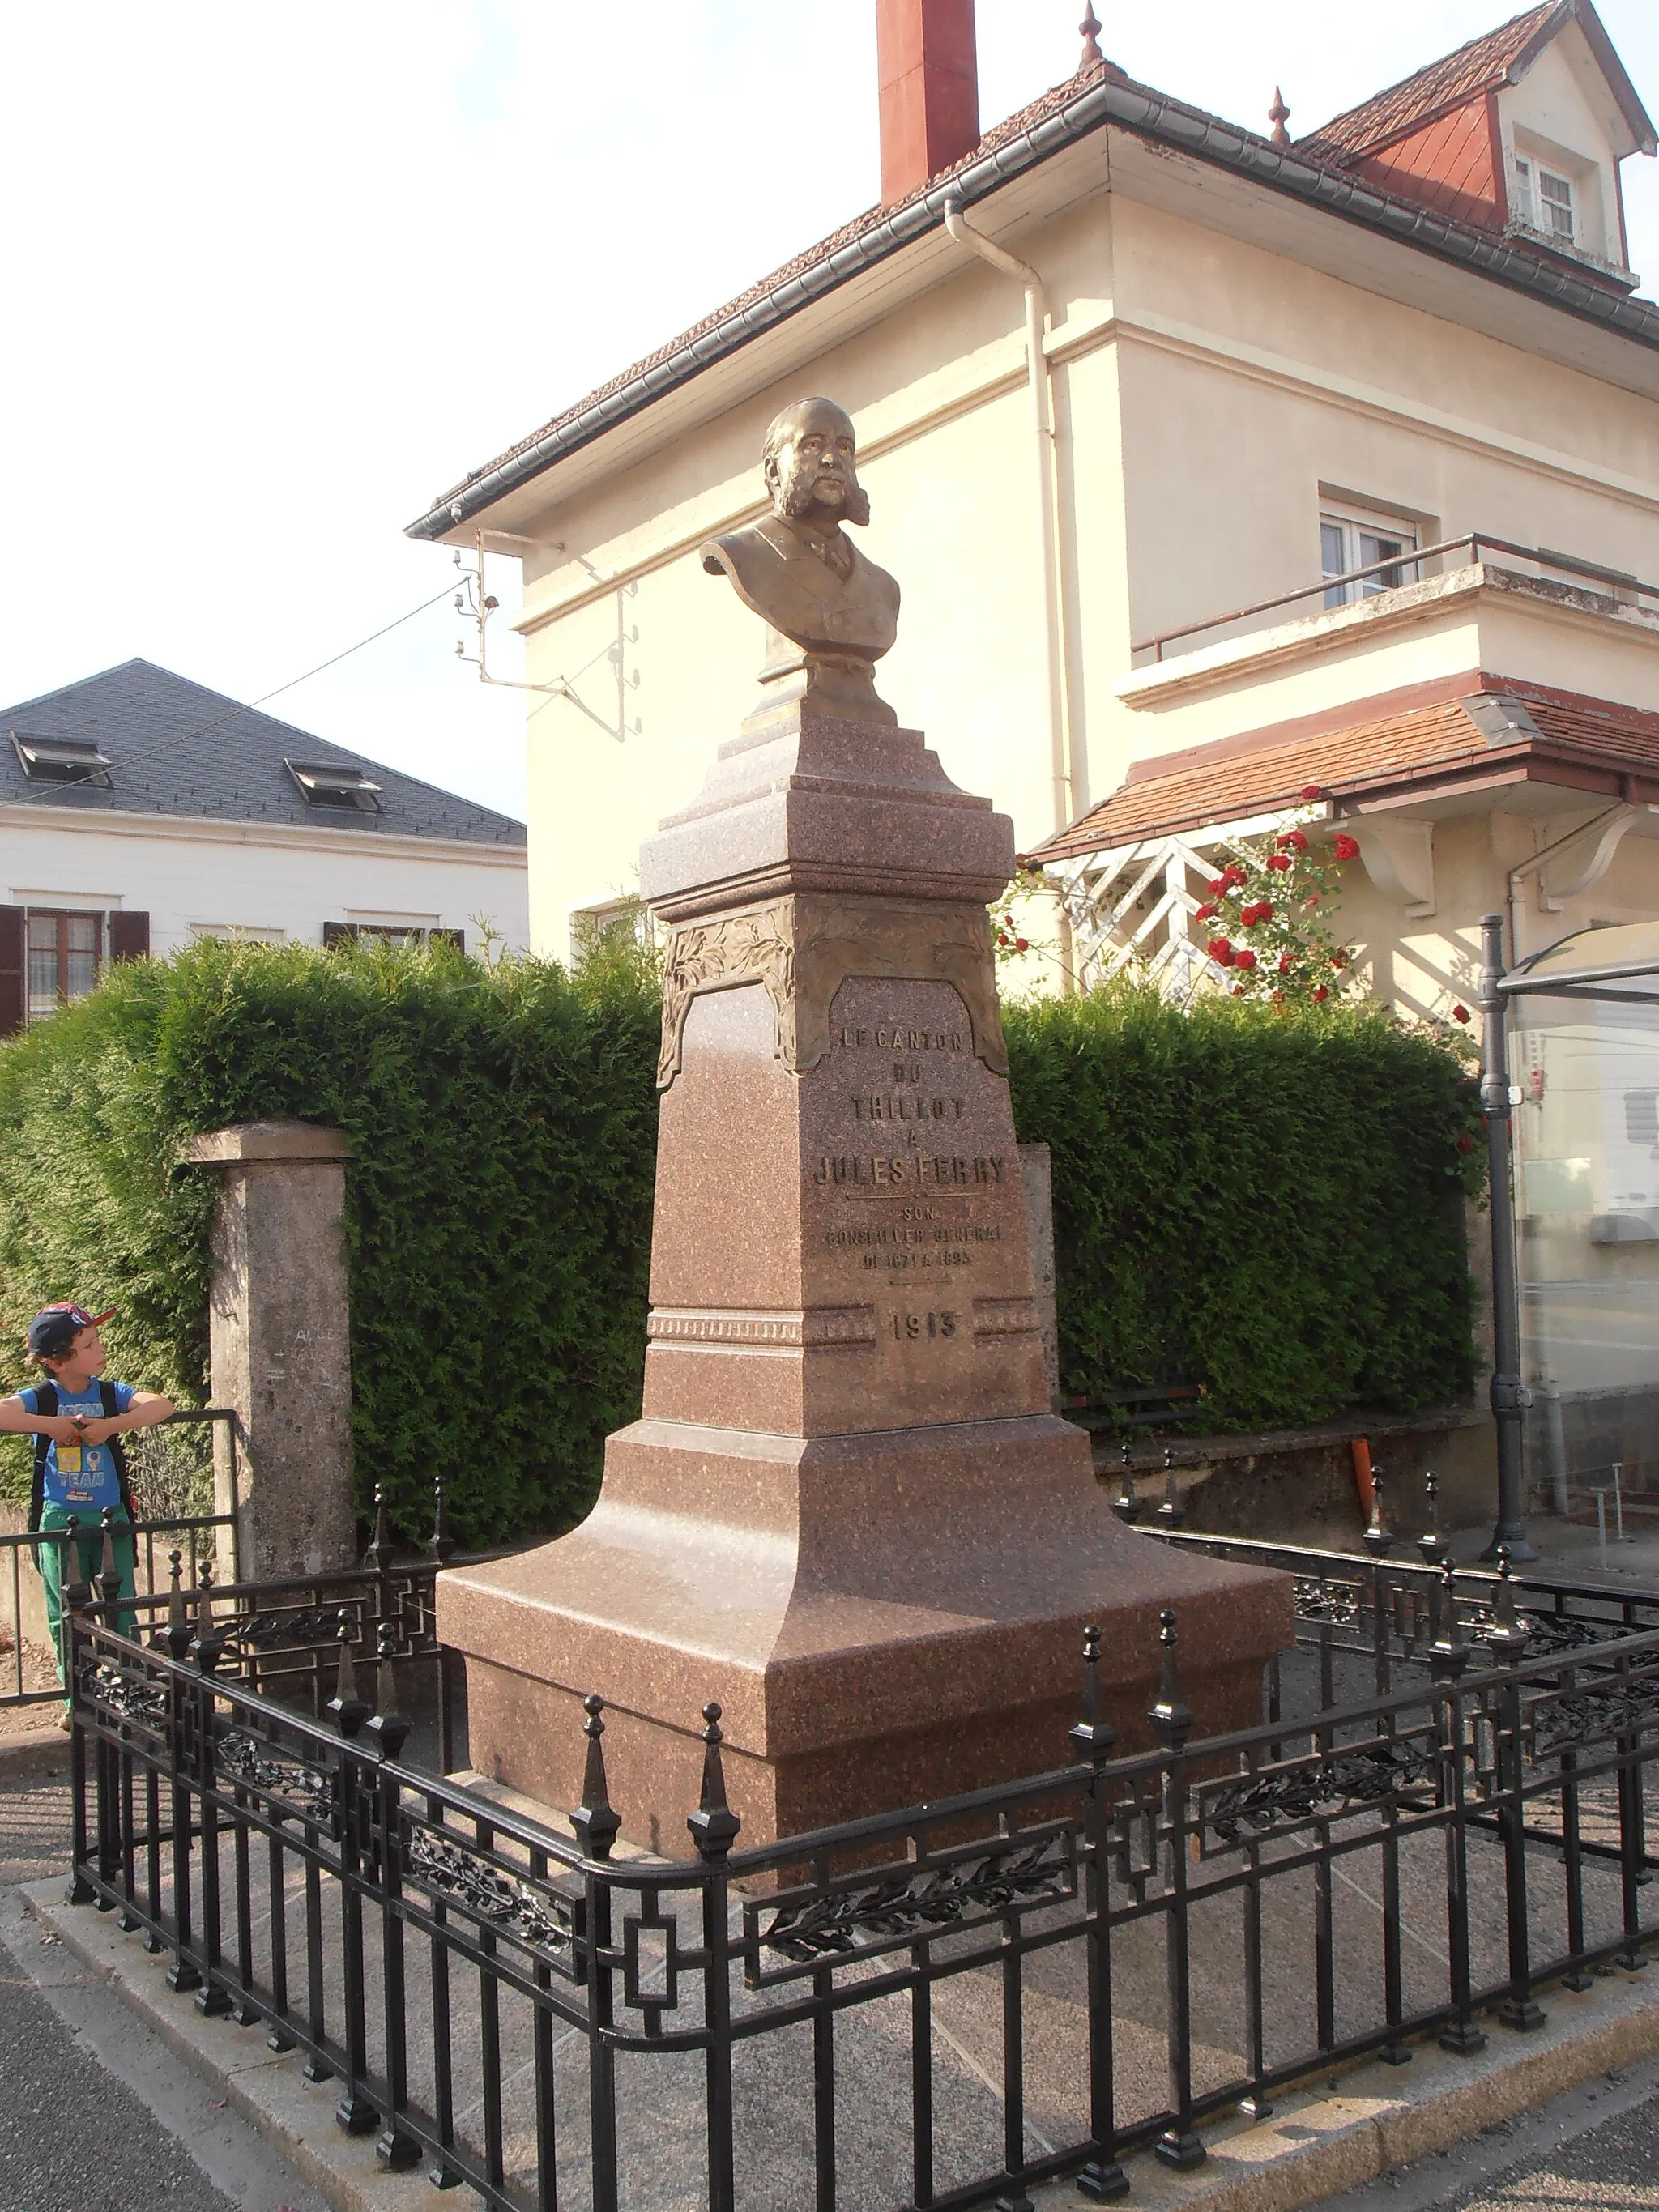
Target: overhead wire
[246, 706]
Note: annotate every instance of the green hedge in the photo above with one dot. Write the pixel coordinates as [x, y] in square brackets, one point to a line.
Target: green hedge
[1264, 1200]
[498, 1222]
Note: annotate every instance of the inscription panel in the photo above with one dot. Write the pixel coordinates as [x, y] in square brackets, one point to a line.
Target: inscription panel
[911, 1203]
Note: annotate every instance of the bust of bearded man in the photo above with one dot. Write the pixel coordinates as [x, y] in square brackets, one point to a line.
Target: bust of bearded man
[832, 613]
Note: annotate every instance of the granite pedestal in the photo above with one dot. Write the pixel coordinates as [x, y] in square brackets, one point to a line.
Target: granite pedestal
[847, 1513]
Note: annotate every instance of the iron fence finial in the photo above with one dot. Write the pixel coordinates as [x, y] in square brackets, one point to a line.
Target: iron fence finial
[207, 1643]
[1171, 1512]
[1376, 1539]
[1431, 1544]
[1127, 1506]
[595, 1821]
[388, 1730]
[1092, 1737]
[1171, 1718]
[714, 1826]
[442, 1543]
[345, 1708]
[1509, 1635]
[175, 1636]
[1448, 1655]
[380, 1549]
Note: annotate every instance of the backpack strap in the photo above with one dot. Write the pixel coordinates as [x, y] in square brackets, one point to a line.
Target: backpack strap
[46, 1405]
[112, 1405]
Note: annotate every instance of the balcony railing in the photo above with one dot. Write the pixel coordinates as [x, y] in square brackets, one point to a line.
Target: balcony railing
[1609, 581]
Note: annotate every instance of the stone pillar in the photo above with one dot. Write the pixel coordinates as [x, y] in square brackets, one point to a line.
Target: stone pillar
[1036, 1182]
[281, 1351]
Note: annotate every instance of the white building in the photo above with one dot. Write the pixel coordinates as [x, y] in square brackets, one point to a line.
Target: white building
[139, 810]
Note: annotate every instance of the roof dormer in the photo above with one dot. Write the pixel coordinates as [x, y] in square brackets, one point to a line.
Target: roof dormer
[1520, 131]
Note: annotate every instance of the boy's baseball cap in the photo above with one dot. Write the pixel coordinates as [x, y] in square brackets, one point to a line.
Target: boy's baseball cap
[54, 1328]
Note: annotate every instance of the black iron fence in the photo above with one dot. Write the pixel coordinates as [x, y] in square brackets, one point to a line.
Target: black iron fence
[1442, 1812]
[174, 1488]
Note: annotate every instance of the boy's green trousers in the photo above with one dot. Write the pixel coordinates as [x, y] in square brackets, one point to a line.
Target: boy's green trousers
[81, 1561]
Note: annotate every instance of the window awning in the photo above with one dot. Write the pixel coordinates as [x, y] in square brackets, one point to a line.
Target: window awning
[1621, 962]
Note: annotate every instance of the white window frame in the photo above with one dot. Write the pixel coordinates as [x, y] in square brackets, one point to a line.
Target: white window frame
[1357, 526]
[1539, 206]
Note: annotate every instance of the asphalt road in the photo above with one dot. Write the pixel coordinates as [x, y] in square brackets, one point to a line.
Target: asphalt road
[95, 2110]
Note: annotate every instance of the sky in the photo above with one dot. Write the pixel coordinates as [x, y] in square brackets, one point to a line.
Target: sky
[275, 276]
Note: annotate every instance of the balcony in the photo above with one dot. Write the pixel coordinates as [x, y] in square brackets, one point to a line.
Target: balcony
[1470, 606]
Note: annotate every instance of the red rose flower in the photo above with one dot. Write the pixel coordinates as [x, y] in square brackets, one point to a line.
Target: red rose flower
[1216, 886]
[1312, 899]
[1283, 963]
[1346, 848]
[1203, 913]
[1021, 944]
[1460, 1013]
[1322, 993]
[1278, 860]
[1466, 1143]
[1337, 959]
[1232, 873]
[1245, 958]
[1221, 951]
[1238, 990]
[1002, 937]
[1294, 840]
[1310, 791]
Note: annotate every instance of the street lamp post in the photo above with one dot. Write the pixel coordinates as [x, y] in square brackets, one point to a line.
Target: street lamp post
[1509, 1394]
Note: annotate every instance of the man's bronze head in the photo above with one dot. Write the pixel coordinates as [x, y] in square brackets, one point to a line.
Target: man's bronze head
[810, 464]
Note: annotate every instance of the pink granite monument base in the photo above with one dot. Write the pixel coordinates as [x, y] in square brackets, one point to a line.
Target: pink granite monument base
[847, 1513]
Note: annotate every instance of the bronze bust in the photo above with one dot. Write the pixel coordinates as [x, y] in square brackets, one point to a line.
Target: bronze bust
[832, 613]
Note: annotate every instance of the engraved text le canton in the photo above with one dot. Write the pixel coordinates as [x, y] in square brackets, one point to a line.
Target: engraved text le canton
[804, 949]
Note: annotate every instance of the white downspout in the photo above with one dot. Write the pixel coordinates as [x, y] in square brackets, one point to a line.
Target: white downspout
[1038, 378]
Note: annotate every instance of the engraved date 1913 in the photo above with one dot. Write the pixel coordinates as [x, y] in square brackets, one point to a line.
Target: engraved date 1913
[915, 1326]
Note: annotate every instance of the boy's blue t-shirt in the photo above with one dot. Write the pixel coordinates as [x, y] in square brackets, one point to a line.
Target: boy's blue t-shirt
[92, 1484]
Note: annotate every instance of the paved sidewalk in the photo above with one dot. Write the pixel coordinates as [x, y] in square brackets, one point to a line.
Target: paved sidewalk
[96, 2110]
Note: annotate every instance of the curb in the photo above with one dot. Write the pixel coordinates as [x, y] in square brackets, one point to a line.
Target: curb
[1318, 2141]
[266, 2087]
[1369, 2118]
[23, 1757]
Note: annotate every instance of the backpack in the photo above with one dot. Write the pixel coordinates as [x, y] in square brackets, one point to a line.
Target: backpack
[45, 1403]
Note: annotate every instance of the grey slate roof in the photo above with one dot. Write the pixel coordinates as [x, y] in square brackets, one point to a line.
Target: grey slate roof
[178, 748]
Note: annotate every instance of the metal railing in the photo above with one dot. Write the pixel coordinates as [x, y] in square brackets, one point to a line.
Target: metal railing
[931, 2007]
[1605, 580]
[172, 1493]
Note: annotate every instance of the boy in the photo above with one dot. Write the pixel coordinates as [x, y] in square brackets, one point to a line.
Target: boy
[79, 1468]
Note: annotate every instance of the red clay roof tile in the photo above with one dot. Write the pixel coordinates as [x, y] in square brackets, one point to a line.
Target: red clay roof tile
[1347, 764]
[1457, 78]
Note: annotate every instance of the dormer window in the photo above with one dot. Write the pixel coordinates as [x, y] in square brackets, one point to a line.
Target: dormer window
[61, 760]
[1545, 201]
[331, 783]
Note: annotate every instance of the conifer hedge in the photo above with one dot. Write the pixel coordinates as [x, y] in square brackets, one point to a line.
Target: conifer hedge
[1263, 1200]
[498, 1210]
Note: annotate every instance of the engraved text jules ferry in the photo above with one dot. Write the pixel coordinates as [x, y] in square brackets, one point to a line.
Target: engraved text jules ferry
[917, 1234]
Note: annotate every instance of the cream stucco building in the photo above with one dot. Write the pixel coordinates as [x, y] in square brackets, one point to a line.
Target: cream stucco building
[1257, 364]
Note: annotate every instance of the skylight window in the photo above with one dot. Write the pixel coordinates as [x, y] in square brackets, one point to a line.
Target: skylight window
[336, 784]
[61, 760]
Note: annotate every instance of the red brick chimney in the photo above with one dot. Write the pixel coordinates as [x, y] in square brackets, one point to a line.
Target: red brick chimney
[929, 74]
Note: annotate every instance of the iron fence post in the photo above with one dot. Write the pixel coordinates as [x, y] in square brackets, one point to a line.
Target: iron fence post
[1181, 2145]
[715, 1829]
[1093, 1739]
[81, 1891]
[596, 1824]
[1508, 1394]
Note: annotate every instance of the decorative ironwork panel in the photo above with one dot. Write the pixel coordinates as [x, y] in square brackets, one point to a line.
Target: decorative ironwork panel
[1326, 1787]
[852, 1921]
[289, 1788]
[541, 1921]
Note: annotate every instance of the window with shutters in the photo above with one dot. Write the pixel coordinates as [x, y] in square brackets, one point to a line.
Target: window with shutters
[65, 951]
